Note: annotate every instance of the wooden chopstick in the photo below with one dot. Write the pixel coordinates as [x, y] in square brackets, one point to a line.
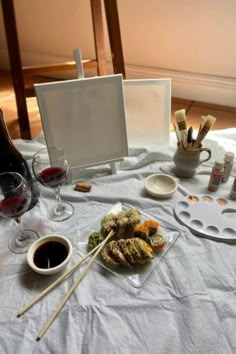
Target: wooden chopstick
[55, 283]
[71, 290]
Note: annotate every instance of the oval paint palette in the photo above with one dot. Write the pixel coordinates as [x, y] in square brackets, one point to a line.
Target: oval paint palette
[208, 216]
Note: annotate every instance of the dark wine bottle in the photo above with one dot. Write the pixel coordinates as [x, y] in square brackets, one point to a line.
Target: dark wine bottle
[11, 160]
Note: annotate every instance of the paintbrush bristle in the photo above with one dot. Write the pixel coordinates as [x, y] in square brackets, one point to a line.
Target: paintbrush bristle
[181, 119]
[203, 119]
[180, 115]
[210, 120]
[202, 122]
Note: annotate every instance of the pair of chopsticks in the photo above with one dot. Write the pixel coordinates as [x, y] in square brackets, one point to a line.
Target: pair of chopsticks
[96, 251]
[185, 135]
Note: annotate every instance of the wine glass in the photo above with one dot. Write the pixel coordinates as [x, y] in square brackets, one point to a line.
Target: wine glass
[51, 169]
[15, 198]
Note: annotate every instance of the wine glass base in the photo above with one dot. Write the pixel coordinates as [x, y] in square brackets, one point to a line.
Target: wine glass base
[20, 243]
[61, 212]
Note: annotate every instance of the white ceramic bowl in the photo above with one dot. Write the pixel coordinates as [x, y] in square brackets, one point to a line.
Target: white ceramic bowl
[160, 185]
[49, 254]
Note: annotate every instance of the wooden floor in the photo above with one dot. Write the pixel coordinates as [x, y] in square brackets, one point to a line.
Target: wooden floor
[226, 116]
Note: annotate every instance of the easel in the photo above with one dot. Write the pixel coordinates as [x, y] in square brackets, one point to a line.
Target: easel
[19, 73]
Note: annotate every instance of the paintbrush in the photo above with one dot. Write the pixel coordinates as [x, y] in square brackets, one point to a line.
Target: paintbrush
[190, 138]
[177, 133]
[210, 120]
[181, 123]
[202, 122]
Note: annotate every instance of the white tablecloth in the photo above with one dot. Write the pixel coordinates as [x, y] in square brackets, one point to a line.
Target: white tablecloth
[187, 305]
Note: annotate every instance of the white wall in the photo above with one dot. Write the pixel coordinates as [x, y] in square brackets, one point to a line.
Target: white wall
[190, 41]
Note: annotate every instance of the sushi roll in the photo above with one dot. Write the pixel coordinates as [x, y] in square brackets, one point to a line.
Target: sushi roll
[121, 222]
[135, 251]
[107, 257]
[126, 251]
[157, 242]
[116, 253]
[144, 248]
[108, 223]
[152, 226]
[134, 218]
[141, 231]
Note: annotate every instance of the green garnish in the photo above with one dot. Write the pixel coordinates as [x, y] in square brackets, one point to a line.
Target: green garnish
[94, 239]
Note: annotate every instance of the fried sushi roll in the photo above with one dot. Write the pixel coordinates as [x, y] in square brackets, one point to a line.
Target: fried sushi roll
[135, 251]
[122, 223]
[134, 218]
[108, 258]
[116, 253]
[144, 248]
[126, 251]
[108, 223]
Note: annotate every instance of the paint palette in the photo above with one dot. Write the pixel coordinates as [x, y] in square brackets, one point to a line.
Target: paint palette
[208, 216]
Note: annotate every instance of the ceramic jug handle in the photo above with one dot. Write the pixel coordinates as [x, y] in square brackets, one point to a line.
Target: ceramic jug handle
[209, 154]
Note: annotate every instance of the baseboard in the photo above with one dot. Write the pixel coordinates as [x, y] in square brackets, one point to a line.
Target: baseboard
[197, 87]
[194, 86]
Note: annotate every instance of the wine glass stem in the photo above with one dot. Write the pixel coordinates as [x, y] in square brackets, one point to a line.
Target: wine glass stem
[21, 236]
[59, 208]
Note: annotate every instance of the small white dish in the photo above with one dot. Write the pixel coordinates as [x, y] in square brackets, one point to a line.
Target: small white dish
[49, 254]
[160, 185]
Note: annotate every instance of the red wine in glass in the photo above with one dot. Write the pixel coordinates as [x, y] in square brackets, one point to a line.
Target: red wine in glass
[51, 168]
[14, 206]
[15, 198]
[52, 177]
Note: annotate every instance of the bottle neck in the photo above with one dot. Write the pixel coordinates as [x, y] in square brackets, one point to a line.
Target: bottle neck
[5, 138]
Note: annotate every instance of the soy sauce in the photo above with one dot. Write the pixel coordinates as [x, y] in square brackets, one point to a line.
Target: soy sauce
[50, 254]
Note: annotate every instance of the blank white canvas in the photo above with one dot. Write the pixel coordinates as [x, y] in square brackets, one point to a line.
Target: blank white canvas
[148, 111]
[86, 118]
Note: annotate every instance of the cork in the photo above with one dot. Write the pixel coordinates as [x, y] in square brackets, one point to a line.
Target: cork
[83, 187]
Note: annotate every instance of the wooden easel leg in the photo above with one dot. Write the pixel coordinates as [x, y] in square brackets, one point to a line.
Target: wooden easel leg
[113, 25]
[16, 67]
[99, 41]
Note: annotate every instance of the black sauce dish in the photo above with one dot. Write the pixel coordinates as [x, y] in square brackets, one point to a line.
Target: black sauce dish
[49, 254]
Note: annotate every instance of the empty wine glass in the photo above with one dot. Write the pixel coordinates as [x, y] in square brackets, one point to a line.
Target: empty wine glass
[51, 169]
[15, 198]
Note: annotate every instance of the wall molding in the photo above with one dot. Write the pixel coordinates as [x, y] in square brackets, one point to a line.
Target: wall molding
[194, 86]
[187, 85]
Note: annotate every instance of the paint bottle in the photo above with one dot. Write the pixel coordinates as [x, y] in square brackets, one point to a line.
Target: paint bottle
[216, 175]
[229, 161]
[233, 190]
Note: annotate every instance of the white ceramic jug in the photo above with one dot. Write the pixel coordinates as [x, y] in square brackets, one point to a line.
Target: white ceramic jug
[187, 160]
